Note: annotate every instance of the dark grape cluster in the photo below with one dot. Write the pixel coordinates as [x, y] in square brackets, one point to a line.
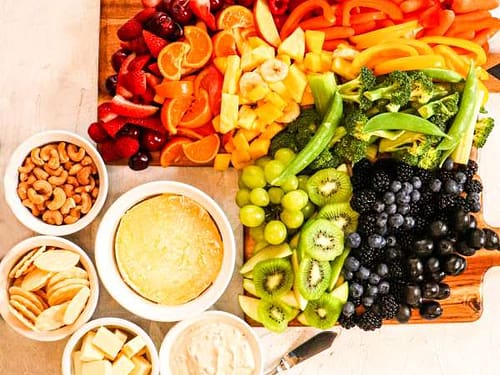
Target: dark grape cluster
[416, 227]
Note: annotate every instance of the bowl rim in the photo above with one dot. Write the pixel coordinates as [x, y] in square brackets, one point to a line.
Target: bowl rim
[110, 274]
[174, 333]
[14, 255]
[120, 323]
[11, 177]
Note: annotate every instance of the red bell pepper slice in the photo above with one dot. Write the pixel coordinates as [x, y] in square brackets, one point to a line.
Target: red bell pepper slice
[211, 80]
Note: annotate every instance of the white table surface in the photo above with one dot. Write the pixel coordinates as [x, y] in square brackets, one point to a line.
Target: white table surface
[48, 70]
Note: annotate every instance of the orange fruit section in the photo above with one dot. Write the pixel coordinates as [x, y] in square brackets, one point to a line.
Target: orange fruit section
[202, 151]
[171, 59]
[173, 89]
[224, 44]
[201, 47]
[235, 16]
[172, 152]
[172, 112]
[198, 113]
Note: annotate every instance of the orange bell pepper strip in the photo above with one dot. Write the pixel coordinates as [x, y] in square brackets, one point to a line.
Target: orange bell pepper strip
[361, 28]
[337, 32]
[386, 6]
[305, 8]
[374, 37]
[315, 23]
[388, 50]
[367, 17]
[460, 43]
[410, 63]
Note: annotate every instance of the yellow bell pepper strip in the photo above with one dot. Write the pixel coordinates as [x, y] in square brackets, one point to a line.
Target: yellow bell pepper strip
[386, 6]
[374, 37]
[344, 68]
[402, 121]
[410, 63]
[421, 47]
[452, 59]
[460, 43]
[305, 8]
[388, 50]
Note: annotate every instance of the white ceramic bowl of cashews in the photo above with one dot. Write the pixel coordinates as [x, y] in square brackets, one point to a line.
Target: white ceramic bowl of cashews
[56, 182]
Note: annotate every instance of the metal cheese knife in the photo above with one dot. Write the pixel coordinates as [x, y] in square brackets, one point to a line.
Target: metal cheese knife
[311, 347]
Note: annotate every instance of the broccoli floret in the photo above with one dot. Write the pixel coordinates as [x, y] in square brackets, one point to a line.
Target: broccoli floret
[482, 131]
[395, 87]
[422, 153]
[350, 149]
[422, 88]
[355, 121]
[441, 109]
[404, 141]
[442, 89]
[352, 91]
[326, 159]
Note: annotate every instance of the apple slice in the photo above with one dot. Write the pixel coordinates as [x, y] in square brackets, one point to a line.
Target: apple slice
[294, 45]
[265, 23]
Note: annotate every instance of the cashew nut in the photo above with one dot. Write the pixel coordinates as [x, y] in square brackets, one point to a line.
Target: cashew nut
[59, 180]
[83, 175]
[45, 152]
[43, 187]
[40, 173]
[34, 197]
[27, 167]
[22, 190]
[87, 160]
[31, 179]
[77, 198]
[23, 176]
[95, 192]
[67, 206]
[54, 161]
[86, 203]
[52, 217]
[73, 181]
[68, 190]
[53, 172]
[74, 215]
[59, 197]
[63, 155]
[75, 169]
[35, 157]
[67, 166]
[74, 153]
[70, 219]
[29, 204]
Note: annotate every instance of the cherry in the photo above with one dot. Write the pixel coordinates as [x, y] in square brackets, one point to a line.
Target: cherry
[216, 5]
[130, 130]
[160, 24]
[117, 59]
[152, 140]
[180, 11]
[246, 3]
[139, 161]
[177, 33]
[111, 83]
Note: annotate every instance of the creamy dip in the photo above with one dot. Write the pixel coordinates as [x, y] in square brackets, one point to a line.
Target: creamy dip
[213, 348]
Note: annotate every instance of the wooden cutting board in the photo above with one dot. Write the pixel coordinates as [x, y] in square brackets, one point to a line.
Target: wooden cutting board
[465, 303]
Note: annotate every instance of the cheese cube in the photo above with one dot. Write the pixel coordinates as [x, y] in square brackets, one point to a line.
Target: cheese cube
[88, 351]
[97, 368]
[142, 366]
[134, 346]
[121, 335]
[122, 365]
[107, 342]
[77, 362]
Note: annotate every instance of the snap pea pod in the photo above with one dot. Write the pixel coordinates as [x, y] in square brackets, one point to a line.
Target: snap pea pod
[320, 140]
[443, 75]
[402, 121]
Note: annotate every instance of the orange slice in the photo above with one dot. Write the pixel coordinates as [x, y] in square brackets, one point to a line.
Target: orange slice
[173, 89]
[224, 43]
[172, 152]
[235, 16]
[172, 112]
[202, 151]
[171, 59]
[198, 113]
[201, 47]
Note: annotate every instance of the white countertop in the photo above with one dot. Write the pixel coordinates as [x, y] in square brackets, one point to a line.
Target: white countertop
[48, 70]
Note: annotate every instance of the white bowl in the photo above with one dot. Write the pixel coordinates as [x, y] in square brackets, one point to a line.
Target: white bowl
[175, 334]
[11, 181]
[122, 324]
[110, 275]
[14, 255]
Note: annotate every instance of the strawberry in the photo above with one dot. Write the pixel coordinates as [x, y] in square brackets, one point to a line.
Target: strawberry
[153, 68]
[150, 3]
[122, 91]
[126, 146]
[108, 151]
[152, 80]
[136, 45]
[135, 82]
[97, 133]
[148, 96]
[130, 30]
[125, 107]
[139, 62]
[153, 123]
[144, 14]
[112, 127]
[154, 42]
[104, 112]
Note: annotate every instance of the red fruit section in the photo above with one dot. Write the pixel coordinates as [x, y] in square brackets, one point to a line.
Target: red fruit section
[125, 107]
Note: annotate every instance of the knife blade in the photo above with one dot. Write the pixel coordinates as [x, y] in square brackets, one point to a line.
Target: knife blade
[304, 351]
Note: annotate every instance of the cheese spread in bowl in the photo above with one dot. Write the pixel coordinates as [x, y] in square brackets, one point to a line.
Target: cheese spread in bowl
[213, 343]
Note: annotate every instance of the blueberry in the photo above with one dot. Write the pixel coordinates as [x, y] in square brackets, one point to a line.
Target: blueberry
[356, 290]
[445, 247]
[396, 220]
[403, 197]
[391, 208]
[363, 273]
[389, 197]
[444, 291]
[474, 197]
[348, 309]
[382, 269]
[415, 196]
[423, 247]
[472, 222]
[454, 265]
[475, 207]
[384, 287]
[348, 275]
[464, 249]
[391, 240]
[460, 220]
[476, 238]
[460, 188]
[404, 313]
[396, 186]
[431, 310]
[451, 187]
[374, 279]
[353, 240]
[372, 290]
[415, 266]
[430, 289]
[448, 164]
[413, 295]
[416, 182]
[407, 187]
[379, 206]
[436, 185]
[381, 221]
[409, 222]
[492, 241]
[436, 276]
[376, 241]
[367, 301]
[432, 264]
[438, 229]
[352, 264]
[460, 177]
[393, 253]
[381, 230]
[403, 209]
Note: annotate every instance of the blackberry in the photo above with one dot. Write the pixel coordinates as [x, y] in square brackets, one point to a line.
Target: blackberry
[445, 201]
[445, 175]
[364, 166]
[460, 202]
[421, 224]
[406, 240]
[397, 289]
[388, 306]
[363, 201]
[367, 224]
[424, 174]
[473, 186]
[397, 271]
[370, 320]
[404, 172]
[385, 164]
[356, 301]
[367, 255]
[381, 182]
[472, 167]
[360, 181]
[348, 322]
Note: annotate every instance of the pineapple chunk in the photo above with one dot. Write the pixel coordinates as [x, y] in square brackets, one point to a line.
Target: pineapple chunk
[268, 112]
[314, 40]
[221, 63]
[294, 45]
[326, 61]
[221, 162]
[255, 41]
[253, 58]
[280, 88]
[307, 98]
[246, 117]
[271, 130]
[276, 100]
[296, 82]
[231, 75]
[312, 62]
[259, 147]
[228, 112]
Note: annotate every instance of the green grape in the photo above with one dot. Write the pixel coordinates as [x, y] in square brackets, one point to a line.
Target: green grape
[303, 181]
[295, 200]
[259, 197]
[292, 219]
[262, 161]
[275, 194]
[285, 155]
[308, 209]
[273, 169]
[252, 216]
[291, 183]
[275, 232]
[253, 177]
[257, 233]
[242, 197]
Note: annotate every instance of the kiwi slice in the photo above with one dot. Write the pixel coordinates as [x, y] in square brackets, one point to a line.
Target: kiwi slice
[323, 312]
[313, 277]
[322, 240]
[272, 277]
[329, 186]
[341, 214]
[275, 315]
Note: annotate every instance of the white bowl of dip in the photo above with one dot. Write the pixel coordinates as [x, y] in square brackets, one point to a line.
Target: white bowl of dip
[214, 342]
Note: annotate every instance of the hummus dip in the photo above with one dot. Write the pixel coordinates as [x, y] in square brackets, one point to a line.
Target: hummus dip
[168, 249]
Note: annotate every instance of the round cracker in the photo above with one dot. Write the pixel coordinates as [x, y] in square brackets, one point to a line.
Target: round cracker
[26, 262]
[36, 280]
[18, 282]
[64, 294]
[64, 283]
[13, 290]
[23, 310]
[22, 319]
[52, 318]
[71, 273]
[27, 303]
[42, 297]
[57, 260]
[76, 306]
